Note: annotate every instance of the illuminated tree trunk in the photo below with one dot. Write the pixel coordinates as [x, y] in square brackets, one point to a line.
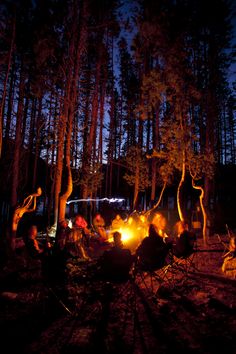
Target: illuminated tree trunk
[28, 205]
[159, 200]
[180, 186]
[136, 187]
[76, 51]
[59, 163]
[155, 144]
[204, 214]
[69, 183]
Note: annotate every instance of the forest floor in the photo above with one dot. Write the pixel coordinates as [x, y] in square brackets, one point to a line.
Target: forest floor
[190, 314]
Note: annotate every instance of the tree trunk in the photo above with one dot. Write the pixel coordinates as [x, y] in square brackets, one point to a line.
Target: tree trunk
[204, 214]
[18, 141]
[5, 81]
[159, 200]
[136, 187]
[76, 52]
[10, 102]
[39, 126]
[155, 144]
[181, 182]
[59, 164]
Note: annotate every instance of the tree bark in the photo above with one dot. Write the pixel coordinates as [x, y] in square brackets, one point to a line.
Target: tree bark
[181, 182]
[5, 82]
[18, 140]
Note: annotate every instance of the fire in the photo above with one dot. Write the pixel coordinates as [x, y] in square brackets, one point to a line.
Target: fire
[126, 234]
[129, 237]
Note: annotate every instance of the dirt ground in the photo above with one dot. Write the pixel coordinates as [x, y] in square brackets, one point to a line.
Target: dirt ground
[191, 312]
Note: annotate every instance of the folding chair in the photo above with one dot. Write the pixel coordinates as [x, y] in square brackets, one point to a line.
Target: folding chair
[153, 277]
[182, 266]
[225, 243]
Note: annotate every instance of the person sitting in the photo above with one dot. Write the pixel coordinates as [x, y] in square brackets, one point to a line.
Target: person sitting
[116, 263]
[74, 246]
[99, 227]
[33, 247]
[82, 227]
[153, 250]
[142, 227]
[61, 235]
[117, 223]
[229, 263]
[183, 247]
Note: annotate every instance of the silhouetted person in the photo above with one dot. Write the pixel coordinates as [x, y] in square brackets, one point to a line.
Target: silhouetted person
[116, 262]
[154, 248]
[184, 244]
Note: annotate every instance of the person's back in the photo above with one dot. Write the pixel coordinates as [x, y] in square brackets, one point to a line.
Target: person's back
[184, 244]
[116, 262]
[153, 251]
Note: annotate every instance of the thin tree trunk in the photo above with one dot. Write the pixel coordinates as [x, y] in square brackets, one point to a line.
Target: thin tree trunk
[136, 187]
[31, 139]
[18, 140]
[159, 200]
[10, 102]
[59, 163]
[2, 103]
[204, 213]
[39, 126]
[181, 182]
[155, 143]
[77, 52]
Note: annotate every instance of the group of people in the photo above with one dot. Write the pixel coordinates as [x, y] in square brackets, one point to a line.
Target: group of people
[116, 259]
[153, 251]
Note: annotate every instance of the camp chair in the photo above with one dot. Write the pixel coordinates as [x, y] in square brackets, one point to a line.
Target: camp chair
[225, 243]
[153, 277]
[182, 266]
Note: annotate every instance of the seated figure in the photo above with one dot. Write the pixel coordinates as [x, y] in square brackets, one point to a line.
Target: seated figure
[81, 225]
[61, 235]
[184, 244]
[99, 227]
[117, 223]
[116, 262]
[229, 263]
[74, 246]
[142, 227]
[33, 247]
[152, 252]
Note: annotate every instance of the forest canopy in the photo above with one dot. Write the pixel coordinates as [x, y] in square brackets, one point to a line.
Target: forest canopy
[116, 98]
